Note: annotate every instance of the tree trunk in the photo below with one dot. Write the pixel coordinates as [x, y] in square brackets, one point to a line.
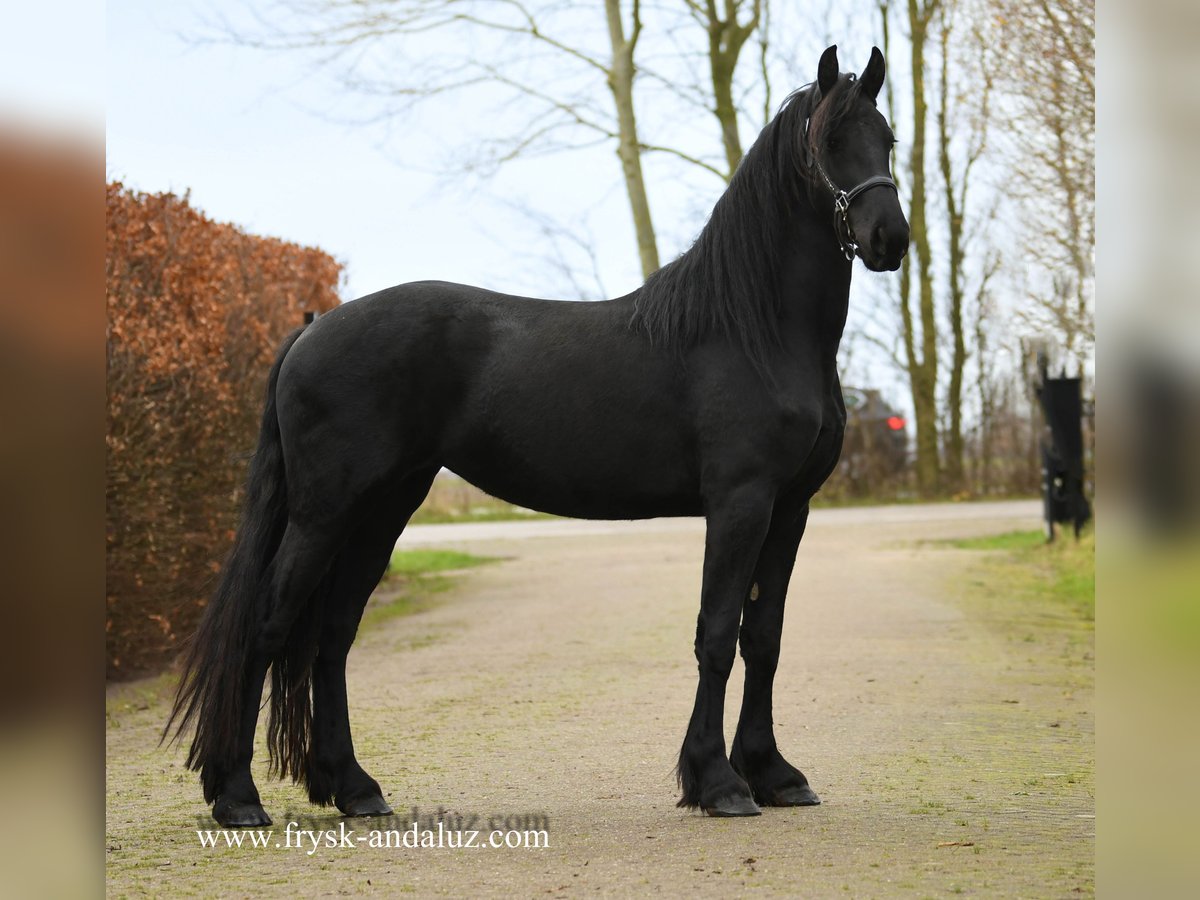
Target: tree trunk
[620, 82]
[726, 112]
[987, 407]
[725, 40]
[923, 372]
[954, 221]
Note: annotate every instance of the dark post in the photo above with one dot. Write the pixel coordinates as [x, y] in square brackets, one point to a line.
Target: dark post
[1061, 400]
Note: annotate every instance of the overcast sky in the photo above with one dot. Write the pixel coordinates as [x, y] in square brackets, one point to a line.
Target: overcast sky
[269, 142]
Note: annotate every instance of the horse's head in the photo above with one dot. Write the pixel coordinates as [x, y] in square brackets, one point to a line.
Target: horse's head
[849, 146]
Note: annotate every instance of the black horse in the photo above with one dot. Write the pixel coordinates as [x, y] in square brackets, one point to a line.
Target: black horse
[711, 390]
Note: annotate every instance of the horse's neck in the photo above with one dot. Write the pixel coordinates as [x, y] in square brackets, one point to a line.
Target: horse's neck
[815, 281]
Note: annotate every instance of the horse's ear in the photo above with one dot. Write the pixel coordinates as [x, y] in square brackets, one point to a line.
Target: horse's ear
[872, 76]
[827, 70]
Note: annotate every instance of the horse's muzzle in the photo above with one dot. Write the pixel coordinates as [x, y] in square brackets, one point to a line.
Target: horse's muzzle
[886, 248]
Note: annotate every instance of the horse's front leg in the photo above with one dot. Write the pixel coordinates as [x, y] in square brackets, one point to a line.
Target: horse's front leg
[772, 779]
[737, 523]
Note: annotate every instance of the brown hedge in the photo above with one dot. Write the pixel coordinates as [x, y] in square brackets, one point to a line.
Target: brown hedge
[196, 309]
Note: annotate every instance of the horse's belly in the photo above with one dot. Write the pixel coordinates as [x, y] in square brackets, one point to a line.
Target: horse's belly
[585, 457]
[568, 485]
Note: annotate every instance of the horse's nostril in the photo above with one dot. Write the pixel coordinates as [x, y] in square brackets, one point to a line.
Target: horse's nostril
[878, 240]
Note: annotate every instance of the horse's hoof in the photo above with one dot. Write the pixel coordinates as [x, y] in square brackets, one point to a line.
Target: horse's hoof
[235, 814]
[373, 805]
[795, 795]
[733, 805]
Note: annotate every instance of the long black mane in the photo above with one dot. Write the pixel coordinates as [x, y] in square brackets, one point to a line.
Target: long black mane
[727, 282]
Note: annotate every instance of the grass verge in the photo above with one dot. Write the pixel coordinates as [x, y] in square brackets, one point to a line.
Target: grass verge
[413, 580]
[1060, 576]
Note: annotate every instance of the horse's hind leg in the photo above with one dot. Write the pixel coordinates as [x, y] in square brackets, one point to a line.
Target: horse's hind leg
[298, 566]
[334, 773]
[236, 802]
[772, 779]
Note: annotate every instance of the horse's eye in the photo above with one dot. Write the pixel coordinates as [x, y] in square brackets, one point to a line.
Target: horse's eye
[833, 144]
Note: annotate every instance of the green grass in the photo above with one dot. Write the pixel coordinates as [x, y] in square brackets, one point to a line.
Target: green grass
[1012, 540]
[1061, 575]
[413, 580]
[427, 562]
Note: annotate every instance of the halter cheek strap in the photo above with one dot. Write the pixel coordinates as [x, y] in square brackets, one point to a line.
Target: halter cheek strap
[843, 199]
[841, 206]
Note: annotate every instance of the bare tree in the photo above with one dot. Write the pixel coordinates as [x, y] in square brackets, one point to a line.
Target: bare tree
[620, 81]
[402, 52]
[920, 332]
[1048, 78]
[565, 255]
[954, 257]
[963, 123]
[545, 61]
[727, 35]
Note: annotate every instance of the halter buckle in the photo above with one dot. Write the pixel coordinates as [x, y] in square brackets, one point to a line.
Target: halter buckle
[841, 223]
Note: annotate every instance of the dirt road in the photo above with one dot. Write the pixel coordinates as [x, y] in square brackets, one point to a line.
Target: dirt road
[954, 754]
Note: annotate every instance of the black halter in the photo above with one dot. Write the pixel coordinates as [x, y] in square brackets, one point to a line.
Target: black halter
[841, 206]
[843, 199]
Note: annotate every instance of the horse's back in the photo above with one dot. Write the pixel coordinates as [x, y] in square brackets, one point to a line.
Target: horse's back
[546, 403]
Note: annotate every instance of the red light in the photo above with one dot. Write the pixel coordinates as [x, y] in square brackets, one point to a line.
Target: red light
[895, 423]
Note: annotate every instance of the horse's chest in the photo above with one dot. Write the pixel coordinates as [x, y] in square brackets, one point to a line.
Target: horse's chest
[787, 434]
[812, 435]
[800, 419]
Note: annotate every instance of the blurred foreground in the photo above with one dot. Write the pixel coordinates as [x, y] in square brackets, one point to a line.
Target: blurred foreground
[1148, 451]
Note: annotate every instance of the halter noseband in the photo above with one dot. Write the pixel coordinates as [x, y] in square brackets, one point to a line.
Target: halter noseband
[843, 199]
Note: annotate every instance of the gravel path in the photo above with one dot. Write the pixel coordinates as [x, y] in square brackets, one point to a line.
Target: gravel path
[954, 752]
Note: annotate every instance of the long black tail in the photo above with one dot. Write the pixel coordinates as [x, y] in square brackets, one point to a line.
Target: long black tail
[215, 664]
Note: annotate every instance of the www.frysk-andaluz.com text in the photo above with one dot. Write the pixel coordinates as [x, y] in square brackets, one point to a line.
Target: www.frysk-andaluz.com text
[441, 832]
